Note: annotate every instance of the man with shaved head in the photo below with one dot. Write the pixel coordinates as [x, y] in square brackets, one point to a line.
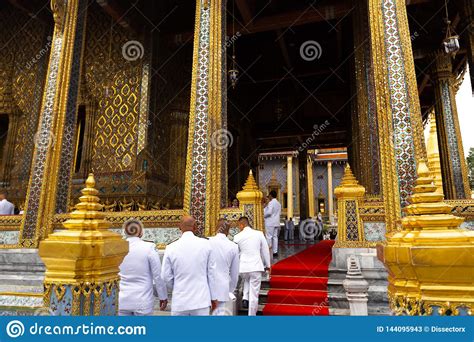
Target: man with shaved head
[226, 254]
[254, 260]
[189, 270]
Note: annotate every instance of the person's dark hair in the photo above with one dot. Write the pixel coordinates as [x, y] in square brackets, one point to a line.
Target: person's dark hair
[3, 192]
[273, 194]
[244, 220]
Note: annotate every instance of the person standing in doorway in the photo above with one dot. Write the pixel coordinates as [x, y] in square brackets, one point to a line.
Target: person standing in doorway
[272, 213]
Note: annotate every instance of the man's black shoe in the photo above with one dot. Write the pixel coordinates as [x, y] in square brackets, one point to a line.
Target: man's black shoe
[245, 304]
[275, 255]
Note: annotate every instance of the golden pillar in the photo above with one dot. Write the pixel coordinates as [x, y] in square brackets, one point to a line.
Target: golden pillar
[365, 131]
[453, 163]
[82, 261]
[349, 193]
[330, 192]
[289, 187]
[432, 151]
[50, 178]
[309, 167]
[250, 202]
[208, 139]
[400, 129]
[430, 261]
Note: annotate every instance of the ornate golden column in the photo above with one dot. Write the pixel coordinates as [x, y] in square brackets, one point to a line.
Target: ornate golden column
[365, 115]
[432, 151]
[309, 166]
[82, 261]
[250, 202]
[208, 140]
[453, 163]
[289, 187]
[330, 192]
[349, 193]
[50, 178]
[397, 104]
[430, 261]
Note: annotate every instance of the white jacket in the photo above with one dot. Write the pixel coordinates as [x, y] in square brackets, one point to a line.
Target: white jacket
[189, 269]
[226, 254]
[254, 251]
[272, 213]
[6, 208]
[138, 270]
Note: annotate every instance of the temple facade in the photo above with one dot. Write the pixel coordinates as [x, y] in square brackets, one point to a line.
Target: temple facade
[180, 107]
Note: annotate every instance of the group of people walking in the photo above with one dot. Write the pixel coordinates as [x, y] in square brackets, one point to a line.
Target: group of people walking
[201, 274]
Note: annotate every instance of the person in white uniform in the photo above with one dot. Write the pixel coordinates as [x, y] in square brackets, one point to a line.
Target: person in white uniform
[140, 271]
[272, 213]
[254, 260]
[226, 254]
[6, 208]
[189, 270]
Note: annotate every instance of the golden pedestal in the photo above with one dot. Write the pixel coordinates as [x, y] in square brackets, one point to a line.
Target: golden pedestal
[82, 261]
[250, 200]
[431, 260]
[349, 193]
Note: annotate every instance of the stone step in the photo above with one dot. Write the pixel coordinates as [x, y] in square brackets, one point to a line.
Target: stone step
[28, 279]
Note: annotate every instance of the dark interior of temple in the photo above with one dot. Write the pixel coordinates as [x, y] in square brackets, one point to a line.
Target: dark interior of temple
[280, 98]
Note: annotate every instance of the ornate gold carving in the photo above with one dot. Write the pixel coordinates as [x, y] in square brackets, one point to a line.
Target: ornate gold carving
[58, 7]
[430, 260]
[349, 194]
[250, 200]
[85, 256]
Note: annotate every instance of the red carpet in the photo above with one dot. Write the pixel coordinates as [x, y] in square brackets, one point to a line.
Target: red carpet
[298, 284]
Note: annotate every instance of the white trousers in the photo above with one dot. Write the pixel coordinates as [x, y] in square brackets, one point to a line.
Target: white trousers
[136, 312]
[252, 283]
[221, 310]
[272, 237]
[196, 312]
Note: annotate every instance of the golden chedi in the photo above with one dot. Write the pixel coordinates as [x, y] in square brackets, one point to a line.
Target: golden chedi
[82, 261]
[430, 260]
[250, 202]
[349, 193]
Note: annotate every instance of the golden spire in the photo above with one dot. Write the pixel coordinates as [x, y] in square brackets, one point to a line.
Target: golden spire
[427, 209]
[433, 154]
[250, 183]
[349, 186]
[86, 251]
[429, 261]
[250, 197]
[88, 214]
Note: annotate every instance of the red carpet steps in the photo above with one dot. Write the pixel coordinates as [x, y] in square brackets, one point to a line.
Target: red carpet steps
[298, 284]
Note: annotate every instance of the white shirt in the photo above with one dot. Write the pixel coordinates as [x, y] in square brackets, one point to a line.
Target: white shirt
[272, 213]
[254, 251]
[189, 269]
[6, 208]
[226, 254]
[138, 270]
